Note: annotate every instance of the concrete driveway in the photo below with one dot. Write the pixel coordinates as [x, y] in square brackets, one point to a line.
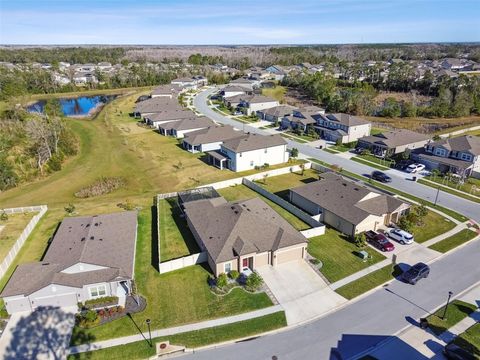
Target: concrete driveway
[301, 292]
[42, 334]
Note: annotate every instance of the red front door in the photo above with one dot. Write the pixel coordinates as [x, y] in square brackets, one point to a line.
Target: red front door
[245, 262]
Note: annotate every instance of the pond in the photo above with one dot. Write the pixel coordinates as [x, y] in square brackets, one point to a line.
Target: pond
[76, 107]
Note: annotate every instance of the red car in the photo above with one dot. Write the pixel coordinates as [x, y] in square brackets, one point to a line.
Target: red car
[379, 241]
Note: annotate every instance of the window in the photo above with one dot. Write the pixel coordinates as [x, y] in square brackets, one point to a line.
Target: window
[440, 152]
[97, 291]
[466, 157]
[228, 267]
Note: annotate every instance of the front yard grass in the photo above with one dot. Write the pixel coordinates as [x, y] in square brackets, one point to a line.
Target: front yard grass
[192, 339]
[368, 282]
[470, 340]
[434, 224]
[368, 163]
[470, 186]
[296, 138]
[176, 239]
[454, 241]
[174, 298]
[456, 312]
[241, 192]
[12, 229]
[339, 255]
[450, 190]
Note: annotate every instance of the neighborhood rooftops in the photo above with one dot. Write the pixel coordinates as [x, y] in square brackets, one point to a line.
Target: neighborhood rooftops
[251, 142]
[278, 111]
[345, 119]
[166, 90]
[395, 138]
[157, 104]
[212, 134]
[464, 143]
[188, 124]
[346, 199]
[258, 99]
[172, 114]
[233, 229]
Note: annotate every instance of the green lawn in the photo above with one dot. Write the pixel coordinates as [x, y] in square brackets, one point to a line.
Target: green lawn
[280, 184]
[454, 241]
[339, 255]
[174, 298]
[193, 339]
[365, 162]
[176, 239]
[456, 312]
[451, 189]
[471, 185]
[342, 147]
[434, 225]
[470, 340]
[303, 136]
[12, 229]
[241, 192]
[278, 93]
[331, 151]
[368, 282]
[295, 137]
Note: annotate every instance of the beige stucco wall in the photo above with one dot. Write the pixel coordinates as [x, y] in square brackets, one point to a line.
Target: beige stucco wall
[372, 222]
[338, 223]
[291, 253]
[261, 259]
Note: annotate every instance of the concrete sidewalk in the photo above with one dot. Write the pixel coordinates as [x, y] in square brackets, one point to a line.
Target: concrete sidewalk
[175, 330]
[443, 236]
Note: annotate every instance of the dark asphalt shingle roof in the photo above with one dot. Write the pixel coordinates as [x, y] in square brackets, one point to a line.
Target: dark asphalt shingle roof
[463, 143]
[251, 142]
[212, 134]
[395, 138]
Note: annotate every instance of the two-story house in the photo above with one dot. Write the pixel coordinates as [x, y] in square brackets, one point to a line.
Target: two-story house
[302, 118]
[257, 102]
[458, 155]
[343, 127]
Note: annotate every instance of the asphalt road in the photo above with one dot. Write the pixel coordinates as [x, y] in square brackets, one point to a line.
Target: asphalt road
[400, 180]
[360, 325]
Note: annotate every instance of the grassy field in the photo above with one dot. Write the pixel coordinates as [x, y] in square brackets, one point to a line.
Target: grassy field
[11, 229]
[141, 349]
[278, 93]
[174, 298]
[241, 192]
[176, 240]
[454, 241]
[339, 255]
[434, 224]
[470, 340]
[456, 312]
[368, 282]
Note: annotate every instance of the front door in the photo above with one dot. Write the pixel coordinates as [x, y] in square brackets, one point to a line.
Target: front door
[245, 262]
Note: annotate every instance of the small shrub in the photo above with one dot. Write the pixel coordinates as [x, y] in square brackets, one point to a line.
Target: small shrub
[70, 209]
[222, 280]
[4, 216]
[234, 274]
[90, 315]
[360, 240]
[254, 281]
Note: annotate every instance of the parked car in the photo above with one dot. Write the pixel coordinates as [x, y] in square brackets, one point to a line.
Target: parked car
[380, 241]
[455, 352]
[403, 164]
[401, 236]
[381, 176]
[416, 272]
[414, 168]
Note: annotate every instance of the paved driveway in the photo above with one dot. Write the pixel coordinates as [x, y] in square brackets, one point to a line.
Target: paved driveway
[302, 293]
[41, 334]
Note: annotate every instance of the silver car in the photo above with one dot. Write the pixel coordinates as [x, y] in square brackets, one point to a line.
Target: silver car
[401, 236]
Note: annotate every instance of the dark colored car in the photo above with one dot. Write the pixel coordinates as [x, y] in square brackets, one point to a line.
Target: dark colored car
[379, 241]
[381, 176]
[455, 352]
[416, 272]
[403, 164]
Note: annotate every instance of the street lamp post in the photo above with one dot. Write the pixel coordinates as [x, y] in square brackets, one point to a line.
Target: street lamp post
[149, 332]
[446, 306]
[436, 197]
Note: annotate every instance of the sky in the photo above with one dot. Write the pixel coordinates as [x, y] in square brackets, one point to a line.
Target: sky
[186, 22]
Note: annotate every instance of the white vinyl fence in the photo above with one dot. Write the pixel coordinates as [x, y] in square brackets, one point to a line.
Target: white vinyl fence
[7, 261]
[180, 263]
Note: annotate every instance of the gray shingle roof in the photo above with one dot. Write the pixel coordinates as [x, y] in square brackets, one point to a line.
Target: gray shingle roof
[188, 124]
[157, 104]
[346, 119]
[212, 134]
[463, 143]
[239, 228]
[395, 138]
[166, 89]
[251, 142]
[175, 114]
[278, 111]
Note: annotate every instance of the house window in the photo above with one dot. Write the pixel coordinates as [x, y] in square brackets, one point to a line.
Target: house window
[251, 163]
[440, 152]
[228, 267]
[97, 291]
[466, 157]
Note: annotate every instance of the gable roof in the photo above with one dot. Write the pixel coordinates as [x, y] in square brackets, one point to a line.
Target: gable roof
[157, 104]
[233, 88]
[278, 111]
[188, 124]
[172, 114]
[258, 99]
[232, 229]
[463, 143]
[395, 138]
[166, 90]
[212, 134]
[346, 199]
[251, 142]
[346, 119]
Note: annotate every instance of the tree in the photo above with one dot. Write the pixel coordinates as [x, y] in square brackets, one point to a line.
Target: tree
[405, 224]
[360, 240]
[294, 153]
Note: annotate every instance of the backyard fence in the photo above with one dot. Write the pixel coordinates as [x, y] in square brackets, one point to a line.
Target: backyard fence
[182, 262]
[314, 231]
[7, 261]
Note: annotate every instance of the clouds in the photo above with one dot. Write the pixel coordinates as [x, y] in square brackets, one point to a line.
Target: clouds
[236, 22]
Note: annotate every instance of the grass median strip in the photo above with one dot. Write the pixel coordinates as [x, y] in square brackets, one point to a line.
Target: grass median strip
[454, 241]
[192, 339]
[449, 190]
[369, 163]
[368, 282]
[456, 312]
[470, 340]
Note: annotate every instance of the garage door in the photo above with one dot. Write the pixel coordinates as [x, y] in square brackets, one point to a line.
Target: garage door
[63, 300]
[16, 305]
[284, 256]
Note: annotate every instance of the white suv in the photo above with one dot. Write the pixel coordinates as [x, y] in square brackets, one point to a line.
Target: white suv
[401, 236]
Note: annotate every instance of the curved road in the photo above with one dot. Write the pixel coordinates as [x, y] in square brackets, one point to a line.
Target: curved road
[400, 180]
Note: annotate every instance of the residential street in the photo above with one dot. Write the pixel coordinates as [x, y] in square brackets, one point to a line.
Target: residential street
[400, 180]
[367, 322]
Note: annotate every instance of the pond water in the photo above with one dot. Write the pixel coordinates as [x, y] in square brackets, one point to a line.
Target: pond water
[80, 106]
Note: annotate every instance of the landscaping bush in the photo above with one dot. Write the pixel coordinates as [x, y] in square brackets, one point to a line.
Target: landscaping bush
[360, 240]
[234, 274]
[101, 302]
[222, 280]
[254, 281]
[4, 216]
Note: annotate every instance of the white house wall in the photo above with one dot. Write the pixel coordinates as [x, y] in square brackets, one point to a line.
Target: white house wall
[249, 159]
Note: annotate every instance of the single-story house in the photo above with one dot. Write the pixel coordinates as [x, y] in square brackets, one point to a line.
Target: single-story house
[393, 142]
[275, 113]
[169, 91]
[232, 90]
[277, 72]
[242, 234]
[192, 83]
[257, 102]
[245, 83]
[88, 258]
[342, 127]
[155, 105]
[458, 155]
[168, 115]
[346, 205]
[251, 150]
[180, 128]
[209, 139]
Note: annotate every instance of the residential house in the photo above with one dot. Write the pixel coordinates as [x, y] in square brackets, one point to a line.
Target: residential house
[453, 64]
[302, 118]
[232, 90]
[156, 105]
[277, 71]
[276, 113]
[257, 102]
[84, 78]
[389, 143]
[169, 91]
[192, 83]
[250, 151]
[346, 205]
[209, 139]
[457, 155]
[182, 127]
[89, 257]
[168, 115]
[342, 127]
[246, 83]
[242, 234]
